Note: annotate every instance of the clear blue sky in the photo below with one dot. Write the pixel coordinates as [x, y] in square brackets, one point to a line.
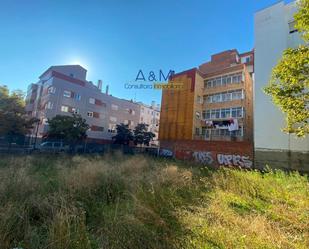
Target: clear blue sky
[113, 39]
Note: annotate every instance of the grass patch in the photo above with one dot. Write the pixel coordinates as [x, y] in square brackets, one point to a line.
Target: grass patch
[129, 202]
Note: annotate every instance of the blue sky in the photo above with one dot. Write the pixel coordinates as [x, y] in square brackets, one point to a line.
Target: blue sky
[115, 39]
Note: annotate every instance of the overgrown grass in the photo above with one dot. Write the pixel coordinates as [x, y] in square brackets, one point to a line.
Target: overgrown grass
[62, 202]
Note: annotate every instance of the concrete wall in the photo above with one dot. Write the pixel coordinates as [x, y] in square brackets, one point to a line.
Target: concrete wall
[272, 37]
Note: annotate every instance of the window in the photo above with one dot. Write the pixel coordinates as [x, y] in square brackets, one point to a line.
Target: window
[292, 28]
[224, 81]
[113, 119]
[90, 114]
[236, 95]
[51, 89]
[197, 115]
[67, 94]
[142, 110]
[92, 101]
[199, 100]
[77, 97]
[45, 121]
[114, 107]
[64, 108]
[75, 110]
[96, 128]
[49, 105]
[112, 128]
[197, 131]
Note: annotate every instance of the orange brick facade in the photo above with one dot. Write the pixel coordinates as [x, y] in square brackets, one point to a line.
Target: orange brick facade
[214, 96]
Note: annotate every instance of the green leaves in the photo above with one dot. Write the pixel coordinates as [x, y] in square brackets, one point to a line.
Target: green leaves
[302, 19]
[13, 118]
[69, 128]
[142, 135]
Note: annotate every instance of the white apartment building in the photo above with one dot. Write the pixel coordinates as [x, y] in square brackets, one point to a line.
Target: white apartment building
[151, 115]
[63, 90]
[274, 32]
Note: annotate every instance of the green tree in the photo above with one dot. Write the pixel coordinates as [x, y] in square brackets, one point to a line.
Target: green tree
[289, 84]
[71, 129]
[14, 121]
[142, 135]
[124, 134]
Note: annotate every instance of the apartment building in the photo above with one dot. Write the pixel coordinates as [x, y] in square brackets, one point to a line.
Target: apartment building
[274, 32]
[214, 103]
[63, 90]
[151, 115]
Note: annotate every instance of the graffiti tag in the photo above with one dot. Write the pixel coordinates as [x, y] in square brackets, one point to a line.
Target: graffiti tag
[234, 160]
[166, 153]
[203, 157]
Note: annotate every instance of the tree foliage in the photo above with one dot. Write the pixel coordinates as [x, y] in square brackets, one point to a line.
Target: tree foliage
[302, 19]
[124, 134]
[13, 119]
[289, 84]
[68, 128]
[142, 135]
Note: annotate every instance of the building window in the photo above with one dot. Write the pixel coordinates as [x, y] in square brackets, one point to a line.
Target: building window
[51, 89]
[75, 110]
[45, 121]
[97, 128]
[64, 108]
[114, 107]
[92, 101]
[77, 97]
[90, 114]
[292, 28]
[112, 128]
[49, 105]
[113, 119]
[235, 112]
[199, 100]
[197, 115]
[67, 94]
[197, 131]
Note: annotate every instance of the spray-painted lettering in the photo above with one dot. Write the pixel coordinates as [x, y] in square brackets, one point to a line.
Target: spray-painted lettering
[234, 160]
[203, 157]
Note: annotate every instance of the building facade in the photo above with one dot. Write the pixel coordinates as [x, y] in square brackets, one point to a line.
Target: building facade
[274, 32]
[63, 90]
[150, 115]
[214, 103]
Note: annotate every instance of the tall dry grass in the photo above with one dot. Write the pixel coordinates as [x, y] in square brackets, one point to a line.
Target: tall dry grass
[118, 201]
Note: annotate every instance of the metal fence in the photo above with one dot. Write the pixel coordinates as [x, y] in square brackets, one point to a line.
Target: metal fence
[23, 145]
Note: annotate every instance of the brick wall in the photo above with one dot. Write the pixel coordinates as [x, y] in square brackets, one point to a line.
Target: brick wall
[212, 153]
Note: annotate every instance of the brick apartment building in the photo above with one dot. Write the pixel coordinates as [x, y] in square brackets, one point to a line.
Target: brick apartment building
[215, 102]
[210, 119]
[63, 90]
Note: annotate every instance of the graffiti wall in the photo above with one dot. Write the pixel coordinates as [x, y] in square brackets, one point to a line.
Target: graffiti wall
[236, 154]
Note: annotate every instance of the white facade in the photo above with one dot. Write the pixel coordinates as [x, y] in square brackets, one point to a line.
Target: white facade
[151, 115]
[273, 34]
[63, 90]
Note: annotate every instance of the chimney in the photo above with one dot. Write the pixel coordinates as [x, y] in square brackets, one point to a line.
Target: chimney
[153, 104]
[107, 88]
[100, 83]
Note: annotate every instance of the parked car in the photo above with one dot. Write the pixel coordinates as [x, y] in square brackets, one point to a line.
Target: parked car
[54, 147]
